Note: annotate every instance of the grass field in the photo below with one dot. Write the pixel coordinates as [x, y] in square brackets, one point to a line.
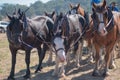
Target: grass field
[72, 73]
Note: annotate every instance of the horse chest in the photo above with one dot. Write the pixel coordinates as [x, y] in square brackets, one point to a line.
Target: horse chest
[104, 40]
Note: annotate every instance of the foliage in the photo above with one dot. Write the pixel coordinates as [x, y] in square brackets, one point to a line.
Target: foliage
[38, 7]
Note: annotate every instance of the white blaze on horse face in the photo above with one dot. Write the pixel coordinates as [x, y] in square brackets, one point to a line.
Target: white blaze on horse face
[59, 45]
[101, 27]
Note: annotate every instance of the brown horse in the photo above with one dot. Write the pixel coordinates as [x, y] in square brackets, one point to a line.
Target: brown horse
[25, 34]
[105, 34]
[89, 35]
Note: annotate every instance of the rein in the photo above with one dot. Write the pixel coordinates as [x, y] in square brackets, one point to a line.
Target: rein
[80, 37]
[108, 27]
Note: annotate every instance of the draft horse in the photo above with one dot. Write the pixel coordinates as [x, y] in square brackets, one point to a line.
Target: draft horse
[105, 34]
[87, 29]
[53, 16]
[25, 34]
[67, 34]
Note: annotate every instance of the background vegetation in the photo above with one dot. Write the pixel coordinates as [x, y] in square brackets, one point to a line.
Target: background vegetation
[38, 7]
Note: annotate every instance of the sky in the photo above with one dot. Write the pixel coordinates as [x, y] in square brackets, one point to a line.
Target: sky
[22, 2]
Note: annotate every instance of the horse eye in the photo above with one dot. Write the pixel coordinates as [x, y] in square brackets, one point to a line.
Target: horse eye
[10, 28]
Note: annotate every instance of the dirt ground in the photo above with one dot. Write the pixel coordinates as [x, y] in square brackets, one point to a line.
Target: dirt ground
[72, 73]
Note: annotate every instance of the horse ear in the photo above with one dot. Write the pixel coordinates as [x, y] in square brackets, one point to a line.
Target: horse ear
[21, 15]
[93, 10]
[61, 14]
[94, 5]
[14, 13]
[104, 3]
[46, 14]
[19, 11]
[78, 5]
[9, 17]
[53, 13]
[71, 6]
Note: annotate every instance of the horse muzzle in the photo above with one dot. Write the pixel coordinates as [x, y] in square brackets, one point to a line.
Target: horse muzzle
[61, 55]
[103, 32]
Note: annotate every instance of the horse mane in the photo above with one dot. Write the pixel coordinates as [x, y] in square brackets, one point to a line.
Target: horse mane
[37, 18]
[109, 16]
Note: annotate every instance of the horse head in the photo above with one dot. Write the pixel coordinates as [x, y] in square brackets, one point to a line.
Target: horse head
[102, 17]
[77, 9]
[15, 27]
[58, 40]
[51, 15]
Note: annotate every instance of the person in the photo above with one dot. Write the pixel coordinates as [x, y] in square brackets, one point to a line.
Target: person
[95, 1]
[113, 6]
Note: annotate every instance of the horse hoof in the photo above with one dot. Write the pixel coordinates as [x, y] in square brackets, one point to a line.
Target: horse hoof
[62, 75]
[27, 77]
[10, 78]
[38, 70]
[95, 73]
[113, 66]
[78, 65]
[105, 74]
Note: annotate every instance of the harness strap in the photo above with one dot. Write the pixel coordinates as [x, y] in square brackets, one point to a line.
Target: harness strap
[110, 24]
[60, 49]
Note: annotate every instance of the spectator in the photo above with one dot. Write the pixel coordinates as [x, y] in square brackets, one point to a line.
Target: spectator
[95, 1]
[113, 6]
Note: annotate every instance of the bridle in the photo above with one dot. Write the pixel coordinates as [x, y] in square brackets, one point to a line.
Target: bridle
[80, 37]
[109, 24]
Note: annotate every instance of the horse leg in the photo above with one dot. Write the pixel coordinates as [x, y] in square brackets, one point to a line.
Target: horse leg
[62, 71]
[68, 59]
[112, 64]
[13, 53]
[56, 70]
[68, 55]
[78, 54]
[50, 58]
[92, 52]
[96, 71]
[27, 60]
[41, 54]
[108, 57]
